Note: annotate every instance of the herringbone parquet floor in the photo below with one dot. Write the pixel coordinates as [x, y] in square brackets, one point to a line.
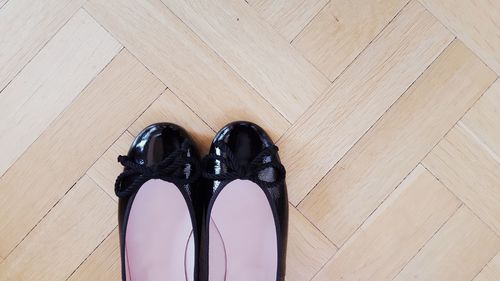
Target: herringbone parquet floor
[387, 114]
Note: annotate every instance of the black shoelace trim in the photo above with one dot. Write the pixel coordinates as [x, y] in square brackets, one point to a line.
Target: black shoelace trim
[264, 160]
[171, 169]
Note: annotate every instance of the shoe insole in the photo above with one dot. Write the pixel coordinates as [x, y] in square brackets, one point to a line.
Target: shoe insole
[243, 217]
[158, 230]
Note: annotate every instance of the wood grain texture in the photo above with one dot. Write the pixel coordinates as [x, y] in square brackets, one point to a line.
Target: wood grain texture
[338, 34]
[471, 171]
[385, 113]
[442, 258]
[76, 54]
[168, 108]
[103, 264]
[105, 170]
[185, 64]
[482, 119]
[26, 25]
[395, 232]
[476, 23]
[254, 50]
[71, 144]
[404, 135]
[491, 272]
[288, 17]
[359, 97]
[308, 249]
[69, 233]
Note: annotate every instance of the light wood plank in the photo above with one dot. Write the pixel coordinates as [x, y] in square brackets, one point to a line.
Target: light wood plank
[50, 82]
[402, 137]
[476, 23]
[103, 264]
[482, 119]
[288, 17]
[457, 252]
[185, 64]
[26, 25]
[308, 250]
[106, 168]
[168, 108]
[256, 52]
[395, 232]
[71, 144]
[359, 97]
[471, 171]
[339, 33]
[491, 272]
[65, 237]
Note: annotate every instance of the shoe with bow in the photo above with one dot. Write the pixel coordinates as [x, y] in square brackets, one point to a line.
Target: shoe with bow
[244, 221]
[159, 236]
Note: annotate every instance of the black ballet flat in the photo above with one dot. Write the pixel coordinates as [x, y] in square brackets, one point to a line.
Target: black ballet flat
[159, 237]
[244, 218]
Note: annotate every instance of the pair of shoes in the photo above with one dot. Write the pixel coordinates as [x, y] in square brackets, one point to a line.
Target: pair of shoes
[223, 217]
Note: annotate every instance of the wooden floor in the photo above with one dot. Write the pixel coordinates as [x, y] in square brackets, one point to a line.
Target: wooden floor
[387, 114]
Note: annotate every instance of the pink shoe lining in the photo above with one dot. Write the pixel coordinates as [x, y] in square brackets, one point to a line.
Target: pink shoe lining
[243, 217]
[159, 227]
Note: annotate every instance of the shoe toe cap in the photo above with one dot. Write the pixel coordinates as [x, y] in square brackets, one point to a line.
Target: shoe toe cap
[157, 141]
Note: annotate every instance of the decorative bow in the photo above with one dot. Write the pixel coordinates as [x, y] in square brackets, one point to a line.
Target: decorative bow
[171, 169]
[266, 159]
